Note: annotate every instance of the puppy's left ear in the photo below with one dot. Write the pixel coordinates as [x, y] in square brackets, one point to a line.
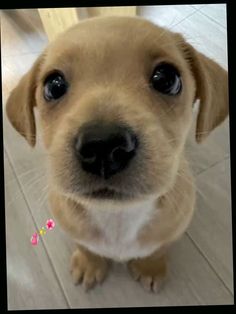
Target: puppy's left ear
[211, 89]
[21, 102]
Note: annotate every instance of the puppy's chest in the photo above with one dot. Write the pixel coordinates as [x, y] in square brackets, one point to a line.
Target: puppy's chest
[119, 230]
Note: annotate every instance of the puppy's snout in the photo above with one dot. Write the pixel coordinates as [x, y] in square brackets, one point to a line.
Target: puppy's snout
[105, 150]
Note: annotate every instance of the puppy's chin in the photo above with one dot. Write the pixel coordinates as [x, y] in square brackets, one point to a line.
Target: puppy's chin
[105, 199]
[105, 196]
[101, 195]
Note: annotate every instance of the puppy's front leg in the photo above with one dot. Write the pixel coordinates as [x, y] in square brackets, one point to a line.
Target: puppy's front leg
[88, 268]
[150, 271]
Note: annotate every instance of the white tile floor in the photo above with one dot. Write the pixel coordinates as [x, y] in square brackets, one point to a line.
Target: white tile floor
[201, 262]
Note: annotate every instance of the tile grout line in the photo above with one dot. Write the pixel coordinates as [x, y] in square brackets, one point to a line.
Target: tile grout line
[209, 263]
[34, 222]
[186, 17]
[213, 165]
[213, 20]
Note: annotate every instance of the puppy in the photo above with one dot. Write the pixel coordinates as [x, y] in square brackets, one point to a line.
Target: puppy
[115, 98]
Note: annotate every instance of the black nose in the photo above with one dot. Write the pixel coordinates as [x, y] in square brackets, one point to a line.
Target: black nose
[105, 150]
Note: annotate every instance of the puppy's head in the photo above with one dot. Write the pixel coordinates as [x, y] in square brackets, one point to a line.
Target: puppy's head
[115, 99]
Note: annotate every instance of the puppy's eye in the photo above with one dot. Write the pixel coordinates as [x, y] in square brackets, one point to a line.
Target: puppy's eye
[55, 86]
[166, 79]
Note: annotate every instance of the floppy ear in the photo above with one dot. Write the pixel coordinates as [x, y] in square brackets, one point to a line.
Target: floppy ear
[21, 102]
[211, 89]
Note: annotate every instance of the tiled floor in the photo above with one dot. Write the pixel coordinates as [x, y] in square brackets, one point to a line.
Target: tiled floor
[201, 262]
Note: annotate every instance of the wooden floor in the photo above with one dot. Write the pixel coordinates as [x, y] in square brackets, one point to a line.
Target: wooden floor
[200, 263]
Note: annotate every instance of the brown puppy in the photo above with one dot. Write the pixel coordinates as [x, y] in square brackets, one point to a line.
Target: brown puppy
[115, 97]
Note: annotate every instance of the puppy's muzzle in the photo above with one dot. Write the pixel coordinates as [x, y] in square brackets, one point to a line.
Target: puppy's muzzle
[105, 149]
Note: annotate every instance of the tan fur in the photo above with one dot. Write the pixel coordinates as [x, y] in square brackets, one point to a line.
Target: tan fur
[88, 268]
[109, 74]
[150, 271]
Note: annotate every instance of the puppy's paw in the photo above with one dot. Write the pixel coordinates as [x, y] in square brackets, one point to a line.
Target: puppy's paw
[150, 272]
[88, 269]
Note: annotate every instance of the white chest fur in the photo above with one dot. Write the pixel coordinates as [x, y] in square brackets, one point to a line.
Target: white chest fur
[119, 228]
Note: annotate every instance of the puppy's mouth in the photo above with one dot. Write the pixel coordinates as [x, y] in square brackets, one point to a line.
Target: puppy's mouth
[106, 193]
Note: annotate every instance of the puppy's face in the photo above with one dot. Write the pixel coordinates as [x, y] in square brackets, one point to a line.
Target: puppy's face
[115, 98]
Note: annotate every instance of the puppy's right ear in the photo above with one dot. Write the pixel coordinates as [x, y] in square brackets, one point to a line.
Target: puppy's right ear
[21, 102]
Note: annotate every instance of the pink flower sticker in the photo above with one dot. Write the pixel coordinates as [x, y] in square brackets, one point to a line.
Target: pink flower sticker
[50, 224]
[34, 239]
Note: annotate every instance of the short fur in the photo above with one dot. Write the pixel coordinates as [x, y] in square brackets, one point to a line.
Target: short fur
[108, 62]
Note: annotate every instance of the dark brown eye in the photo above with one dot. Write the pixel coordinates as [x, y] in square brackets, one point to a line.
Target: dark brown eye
[166, 79]
[55, 86]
